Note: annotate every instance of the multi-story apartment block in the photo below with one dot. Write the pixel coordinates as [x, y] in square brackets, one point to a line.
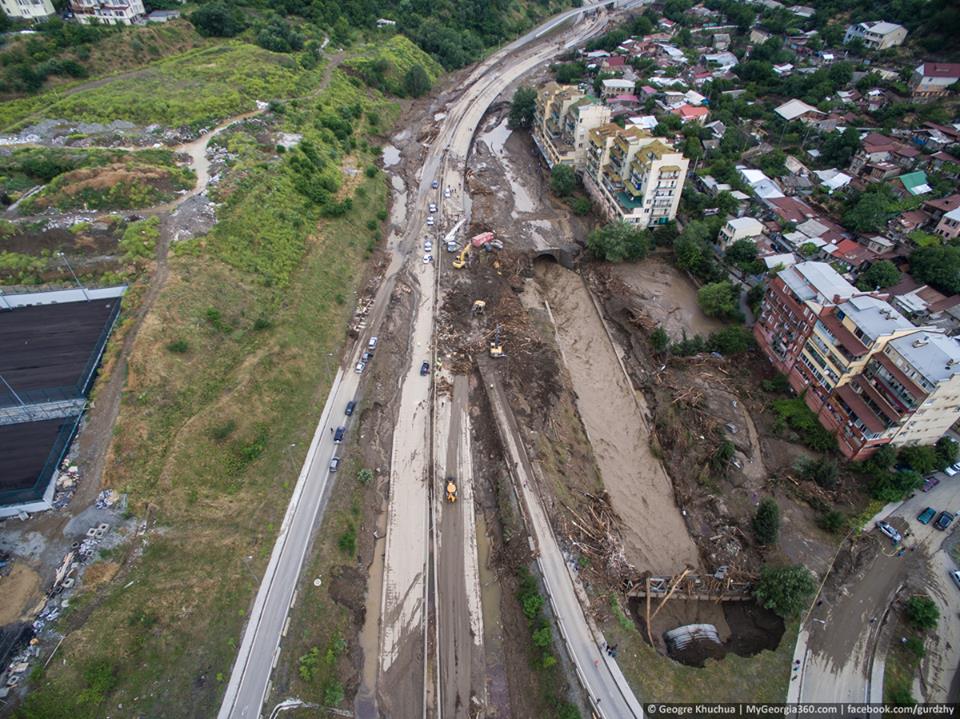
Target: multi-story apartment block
[632, 175]
[876, 35]
[107, 12]
[869, 374]
[28, 9]
[562, 119]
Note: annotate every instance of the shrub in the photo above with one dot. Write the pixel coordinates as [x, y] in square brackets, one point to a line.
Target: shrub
[730, 340]
[619, 241]
[900, 696]
[220, 432]
[580, 205]
[922, 612]
[823, 471]
[832, 521]
[766, 522]
[785, 590]
[308, 664]
[659, 339]
[795, 414]
[563, 181]
[719, 299]
[914, 645]
[178, 346]
[348, 540]
[364, 476]
[333, 693]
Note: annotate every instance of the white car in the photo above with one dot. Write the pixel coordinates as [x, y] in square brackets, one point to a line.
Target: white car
[452, 247]
[952, 469]
[428, 246]
[446, 192]
[430, 221]
[892, 533]
[427, 259]
[361, 365]
[433, 207]
[955, 576]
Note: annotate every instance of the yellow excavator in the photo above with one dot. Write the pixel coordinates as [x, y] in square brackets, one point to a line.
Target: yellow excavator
[451, 490]
[462, 258]
[496, 346]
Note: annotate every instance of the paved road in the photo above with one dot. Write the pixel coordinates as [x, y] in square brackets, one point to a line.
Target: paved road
[841, 651]
[609, 693]
[250, 679]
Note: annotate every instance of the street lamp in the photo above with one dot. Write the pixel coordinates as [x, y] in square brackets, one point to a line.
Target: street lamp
[75, 279]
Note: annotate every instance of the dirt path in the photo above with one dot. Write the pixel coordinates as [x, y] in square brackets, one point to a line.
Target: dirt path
[654, 534]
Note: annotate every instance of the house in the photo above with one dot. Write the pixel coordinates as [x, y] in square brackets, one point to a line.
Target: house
[833, 179]
[759, 36]
[877, 34]
[876, 149]
[721, 41]
[615, 86]
[720, 61]
[909, 221]
[783, 70]
[644, 122]
[107, 12]
[878, 244]
[633, 177]
[163, 15]
[938, 208]
[28, 9]
[761, 185]
[779, 261]
[932, 79]
[949, 226]
[381, 23]
[613, 64]
[798, 110]
[740, 228]
[804, 11]
[790, 209]
[690, 113]
[944, 162]
[913, 183]
[673, 55]
[853, 254]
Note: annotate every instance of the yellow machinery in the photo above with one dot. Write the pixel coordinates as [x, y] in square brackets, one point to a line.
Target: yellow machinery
[451, 490]
[462, 259]
[479, 306]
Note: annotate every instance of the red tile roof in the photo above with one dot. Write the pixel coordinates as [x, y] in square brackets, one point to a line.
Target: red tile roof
[944, 204]
[941, 69]
[791, 209]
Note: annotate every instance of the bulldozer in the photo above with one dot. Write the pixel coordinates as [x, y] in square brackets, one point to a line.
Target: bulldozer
[496, 346]
[451, 490]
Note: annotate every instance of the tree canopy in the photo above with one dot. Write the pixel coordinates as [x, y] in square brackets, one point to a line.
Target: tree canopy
[217, 20]
[522, 108]
[619, 241]
[563, 180]
[879, 275]
[938, 267]
[785, 590]
[766, 521]
[719, 299]
[416, 82]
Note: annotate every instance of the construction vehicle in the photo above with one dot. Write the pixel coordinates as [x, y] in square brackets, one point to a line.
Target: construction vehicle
[482, 239]
[461, 260]
[451, 490]
[479, 306]
[496, 346]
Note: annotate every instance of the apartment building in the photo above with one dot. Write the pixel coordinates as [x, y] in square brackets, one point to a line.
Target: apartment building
[739, 228]
[864, 368]
[633, 176]
[27, 9]
[107, 12]
[562, 118]
[876, 35]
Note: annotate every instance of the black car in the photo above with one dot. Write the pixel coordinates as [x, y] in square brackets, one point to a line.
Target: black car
[338, 435]
[424, 369]
[943, 520]
[351, 405]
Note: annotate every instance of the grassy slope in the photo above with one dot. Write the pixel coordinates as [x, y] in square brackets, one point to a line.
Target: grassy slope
[194, 88]
[206, 438]
[400, 54]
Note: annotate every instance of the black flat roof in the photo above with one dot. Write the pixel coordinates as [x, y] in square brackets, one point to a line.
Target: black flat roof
[49, 347]
[24, 451]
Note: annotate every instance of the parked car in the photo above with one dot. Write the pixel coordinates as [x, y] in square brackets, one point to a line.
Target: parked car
[351, 405]
[338, 435]
[433, 207]
[334, 464]
[361, 365]
[446, 192]
[366, 356]
[889, 531]
[930, 482]
[430, 221]
[372, 344]
[424, 369]
[955, 576]
[926, 515]
[952, 469]
[428, 246]
[452, 247]
[943, 520]
[427, 259]
[435, 184]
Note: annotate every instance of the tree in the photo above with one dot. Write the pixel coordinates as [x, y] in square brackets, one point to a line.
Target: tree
[619, 241]
[659, 339]
[880, 274]
[869, 213]
[217, 20]
[416, 82]
[823, 471]
[947, 452]
[522, 108]
[785, 590]
[832, 521]
[730, 340]
[718, 299]
[563, 180]
[766, 522]
[569, 72]
[922, 612]
[840, 147]
[937, 266]
[743, 251]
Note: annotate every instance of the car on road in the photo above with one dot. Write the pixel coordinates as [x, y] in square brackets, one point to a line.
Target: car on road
[452, 247]
[372, 344]
[435, 184]
[334, 464]
[366, 356]
[926, 515]
[427, 259]
[943, 520]
[427, 246]
[338, 435]
[361, 365]
[424, 369]
[930, 482]
[952, 470]
[430, 221]
[446, 192]
[955, 576]
[889, 531]
[351, 405]
[433, 207]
